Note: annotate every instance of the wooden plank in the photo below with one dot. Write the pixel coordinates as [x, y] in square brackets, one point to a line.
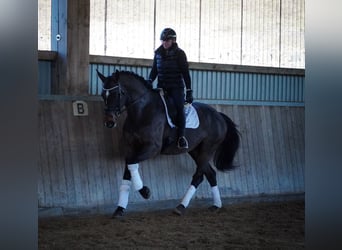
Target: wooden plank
[63, 116]
[161, 179]
[237, 181]
[48, 175]
[78, 47]
[284, 177]
[264, 147]
[242, 182]
[258, 145]
[177, 172]
[79, 160]
[57, 164]
[92, 145]
[105, 175]
[169, 176]
[47, 55]
[301, 141]
[291, 127]
[244, 157]
[251, 153]
[269, 150]
[71, 23]
[298, 136]
[177, 191]
[115, 60]
[297, 116]
[44, 193]
[55, 150]
[40, 176]
[288, 150]
[275, 144]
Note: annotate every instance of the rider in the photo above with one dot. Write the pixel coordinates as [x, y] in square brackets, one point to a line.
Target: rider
[171, 66]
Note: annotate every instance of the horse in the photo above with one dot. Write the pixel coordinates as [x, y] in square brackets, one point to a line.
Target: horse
[147, 133]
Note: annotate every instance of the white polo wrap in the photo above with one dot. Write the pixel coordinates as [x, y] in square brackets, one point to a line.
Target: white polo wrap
[136, 179]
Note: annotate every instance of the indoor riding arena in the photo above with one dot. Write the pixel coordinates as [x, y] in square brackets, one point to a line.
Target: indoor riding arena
[246, 60]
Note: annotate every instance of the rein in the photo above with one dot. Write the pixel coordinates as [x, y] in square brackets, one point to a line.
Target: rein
[136, 100]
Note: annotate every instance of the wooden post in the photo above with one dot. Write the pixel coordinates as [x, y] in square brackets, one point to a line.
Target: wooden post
[70, 38]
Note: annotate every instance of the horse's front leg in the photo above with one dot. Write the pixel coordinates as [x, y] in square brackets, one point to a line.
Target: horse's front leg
[131, 174]
[137, 181]
[123, 194]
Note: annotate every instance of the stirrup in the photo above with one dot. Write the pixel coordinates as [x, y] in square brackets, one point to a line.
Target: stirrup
[182, 142]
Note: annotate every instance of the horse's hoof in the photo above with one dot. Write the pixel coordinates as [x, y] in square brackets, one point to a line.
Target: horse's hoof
[179, 210]
[214, 208]
[145, 192]
[118, 213]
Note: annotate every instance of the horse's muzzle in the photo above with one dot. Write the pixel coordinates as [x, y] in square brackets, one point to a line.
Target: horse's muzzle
[109, 121]
[110, 124]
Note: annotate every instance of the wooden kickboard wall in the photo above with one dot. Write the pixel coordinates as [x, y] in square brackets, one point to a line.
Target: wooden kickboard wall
[80, 161]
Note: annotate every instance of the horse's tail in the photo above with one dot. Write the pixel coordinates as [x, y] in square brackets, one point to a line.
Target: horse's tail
[224, 155]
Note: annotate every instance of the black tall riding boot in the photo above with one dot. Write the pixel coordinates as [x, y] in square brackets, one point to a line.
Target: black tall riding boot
[182, 141]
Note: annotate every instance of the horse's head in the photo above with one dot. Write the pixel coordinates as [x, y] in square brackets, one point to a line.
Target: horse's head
[112, 96]
[121, 89]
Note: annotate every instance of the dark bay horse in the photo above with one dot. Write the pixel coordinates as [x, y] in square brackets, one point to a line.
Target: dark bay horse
[147, 133]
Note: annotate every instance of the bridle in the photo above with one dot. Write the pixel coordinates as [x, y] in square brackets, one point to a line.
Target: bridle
[118, 108]
[108, 90]
[113, 111]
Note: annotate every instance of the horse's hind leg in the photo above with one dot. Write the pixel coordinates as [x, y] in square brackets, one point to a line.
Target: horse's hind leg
[197, 179]
[210, 174]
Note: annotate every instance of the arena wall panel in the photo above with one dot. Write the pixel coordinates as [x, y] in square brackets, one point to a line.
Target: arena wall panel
[81, 165]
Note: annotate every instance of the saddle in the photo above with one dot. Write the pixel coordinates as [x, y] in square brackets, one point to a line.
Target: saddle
[191, 116]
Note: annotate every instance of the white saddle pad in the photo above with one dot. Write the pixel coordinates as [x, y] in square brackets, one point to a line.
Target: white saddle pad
[191, 116]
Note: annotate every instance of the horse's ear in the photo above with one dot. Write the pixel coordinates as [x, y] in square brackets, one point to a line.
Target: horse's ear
[102, 77]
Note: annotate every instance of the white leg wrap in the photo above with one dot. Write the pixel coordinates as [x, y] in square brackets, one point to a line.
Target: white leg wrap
[216, 196]
[136, 179]
[124, 193]
[187, 197]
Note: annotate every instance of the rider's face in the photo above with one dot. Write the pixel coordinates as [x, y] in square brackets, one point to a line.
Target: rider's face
[167, 44]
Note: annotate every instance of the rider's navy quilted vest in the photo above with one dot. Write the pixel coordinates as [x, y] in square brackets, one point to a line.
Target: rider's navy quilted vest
[169, 73]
